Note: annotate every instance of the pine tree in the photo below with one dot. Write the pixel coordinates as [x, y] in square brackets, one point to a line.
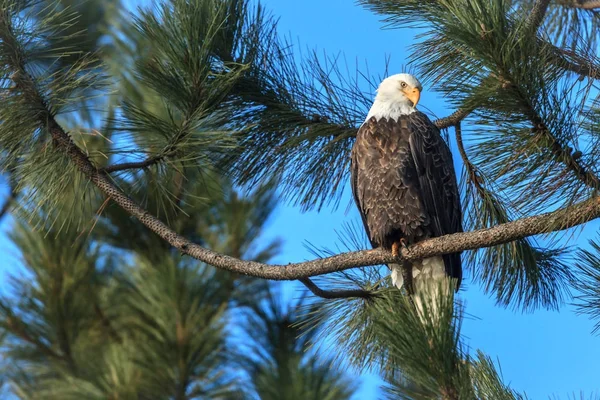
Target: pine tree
[102, 307]
[144, 154]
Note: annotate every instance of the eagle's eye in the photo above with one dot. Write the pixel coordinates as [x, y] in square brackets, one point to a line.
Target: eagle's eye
[402, 85]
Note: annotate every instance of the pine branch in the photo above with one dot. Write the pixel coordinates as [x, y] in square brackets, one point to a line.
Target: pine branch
[471, 169]
[63, 144]
[504, 233]
[571, 61]
[582, 4]
[538, 12]
[335, 294]
[561, 153]
[588, 284]
[150, 161]
[487, 382]
[453, 119]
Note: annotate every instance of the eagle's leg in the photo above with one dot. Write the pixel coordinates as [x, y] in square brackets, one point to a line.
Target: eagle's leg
[396, 247]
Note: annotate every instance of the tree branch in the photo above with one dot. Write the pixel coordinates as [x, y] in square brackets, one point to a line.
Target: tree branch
[573, 62]
[132, 165]
[473, 176]
[561, 152]
[538, 12]
[582, 4]
[451, 120]
[503, 233]
[335, 294]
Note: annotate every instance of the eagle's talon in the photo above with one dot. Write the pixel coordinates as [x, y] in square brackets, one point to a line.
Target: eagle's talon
[396, 247]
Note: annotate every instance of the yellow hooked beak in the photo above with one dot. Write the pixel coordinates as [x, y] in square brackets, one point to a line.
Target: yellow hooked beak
[413, 94]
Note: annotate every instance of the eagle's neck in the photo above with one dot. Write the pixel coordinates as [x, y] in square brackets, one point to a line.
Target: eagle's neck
[382, 108]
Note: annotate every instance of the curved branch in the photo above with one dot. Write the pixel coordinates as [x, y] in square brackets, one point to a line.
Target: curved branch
[453, 119]
[335, 294]
[472, 174]
[554, 221]
[503, 233]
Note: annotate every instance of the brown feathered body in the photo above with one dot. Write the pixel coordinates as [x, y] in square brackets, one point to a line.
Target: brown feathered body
[404, 184]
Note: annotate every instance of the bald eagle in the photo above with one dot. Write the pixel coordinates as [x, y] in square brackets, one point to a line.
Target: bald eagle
[403, 182]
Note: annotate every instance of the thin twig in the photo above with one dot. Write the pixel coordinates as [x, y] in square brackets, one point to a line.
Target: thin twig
[8, 203]
[335, 294]
[107, 324]
[471, 168]
[17, 329]
[132, 165]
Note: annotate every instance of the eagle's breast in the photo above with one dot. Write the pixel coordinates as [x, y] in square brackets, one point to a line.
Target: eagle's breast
[386, 182]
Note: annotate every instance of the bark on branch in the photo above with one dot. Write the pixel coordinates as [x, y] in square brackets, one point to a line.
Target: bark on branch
[538, 12]
[453, 119]
[504, 233]
[582, 4]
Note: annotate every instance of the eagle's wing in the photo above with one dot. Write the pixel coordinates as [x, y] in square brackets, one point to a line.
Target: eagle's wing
[439, 188]
[359, 147]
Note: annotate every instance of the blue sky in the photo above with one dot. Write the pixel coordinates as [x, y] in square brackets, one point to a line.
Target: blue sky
[542, 353]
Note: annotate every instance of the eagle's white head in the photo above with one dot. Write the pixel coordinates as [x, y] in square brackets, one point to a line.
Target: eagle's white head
[397, 95]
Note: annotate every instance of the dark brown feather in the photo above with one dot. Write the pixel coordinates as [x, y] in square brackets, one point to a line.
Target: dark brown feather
[404, 183]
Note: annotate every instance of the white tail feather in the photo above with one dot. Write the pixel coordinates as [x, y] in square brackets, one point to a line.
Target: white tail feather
[428, 275]
[396, 275]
